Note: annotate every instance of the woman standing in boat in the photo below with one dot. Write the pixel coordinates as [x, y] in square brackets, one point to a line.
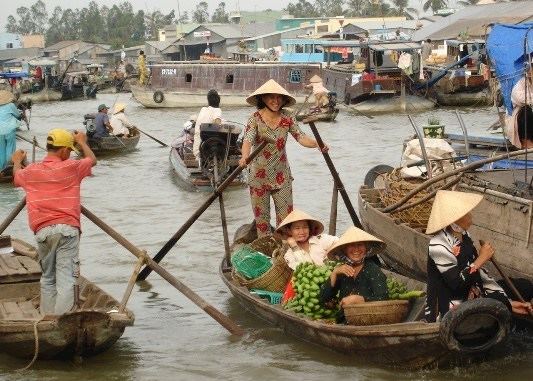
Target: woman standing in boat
[270, 174]
[356, 280]
[305, 239]
[455, 267]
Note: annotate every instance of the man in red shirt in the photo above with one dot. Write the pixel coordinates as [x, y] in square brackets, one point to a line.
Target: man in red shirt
[53, 201]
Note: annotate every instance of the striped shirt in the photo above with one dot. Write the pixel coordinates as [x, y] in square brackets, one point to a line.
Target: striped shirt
[53, 190]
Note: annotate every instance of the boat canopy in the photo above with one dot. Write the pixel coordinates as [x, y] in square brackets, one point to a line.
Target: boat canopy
[16, 74]
[507, 46]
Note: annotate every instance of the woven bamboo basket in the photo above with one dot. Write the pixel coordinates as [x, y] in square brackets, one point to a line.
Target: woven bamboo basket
[277, 277]
[396, 188]
[374, 313]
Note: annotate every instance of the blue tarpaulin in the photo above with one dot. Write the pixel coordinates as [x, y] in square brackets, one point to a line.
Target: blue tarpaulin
[16, 74]
[505, 47]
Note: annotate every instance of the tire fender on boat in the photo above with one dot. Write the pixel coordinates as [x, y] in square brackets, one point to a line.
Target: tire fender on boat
[158, 96]
[475, 325]
[374, 173]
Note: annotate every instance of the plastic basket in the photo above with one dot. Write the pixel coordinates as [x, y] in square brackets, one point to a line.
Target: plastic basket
[250, 263]
[273, 297]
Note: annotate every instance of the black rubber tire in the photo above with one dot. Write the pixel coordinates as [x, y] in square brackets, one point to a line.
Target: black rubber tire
[476, 309]
[375, 172]
[158, 96]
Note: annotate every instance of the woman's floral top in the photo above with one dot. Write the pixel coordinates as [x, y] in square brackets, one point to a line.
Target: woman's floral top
[270, 169]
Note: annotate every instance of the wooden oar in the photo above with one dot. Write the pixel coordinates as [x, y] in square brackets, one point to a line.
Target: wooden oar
[190, 294]
[507, 280]
[334, 174]
[151, 137]
[34, 142]
[14, 213]
[172, 241]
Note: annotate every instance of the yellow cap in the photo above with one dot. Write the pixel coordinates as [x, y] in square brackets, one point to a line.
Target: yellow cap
[59, 137]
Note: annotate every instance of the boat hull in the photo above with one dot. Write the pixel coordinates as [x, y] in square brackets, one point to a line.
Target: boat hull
[411, 104]
[477, 98]
[113, 145]
[41, 96]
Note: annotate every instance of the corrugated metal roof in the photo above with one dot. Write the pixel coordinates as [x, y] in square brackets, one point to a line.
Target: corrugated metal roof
[382, 46]
[473, 20]
[61, 44]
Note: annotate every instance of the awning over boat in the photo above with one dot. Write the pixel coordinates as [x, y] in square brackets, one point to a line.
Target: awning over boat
[398, 46]
[507, 49]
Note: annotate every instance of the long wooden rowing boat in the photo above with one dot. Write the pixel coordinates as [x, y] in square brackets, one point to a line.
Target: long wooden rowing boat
[96, 324]
[114, 144]
[411, 344]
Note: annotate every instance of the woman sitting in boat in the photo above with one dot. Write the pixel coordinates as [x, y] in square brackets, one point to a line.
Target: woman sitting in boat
[210, 114]
[455, 267]
[356, 280]
[319, 92]
[305, 239]
[524, 126]
[522, 100]
[270, 174]
[120, 122]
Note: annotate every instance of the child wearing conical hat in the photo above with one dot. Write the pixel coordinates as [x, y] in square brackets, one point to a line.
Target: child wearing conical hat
[307, 242]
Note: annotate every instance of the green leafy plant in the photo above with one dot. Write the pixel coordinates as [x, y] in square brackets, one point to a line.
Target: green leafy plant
[433, 121]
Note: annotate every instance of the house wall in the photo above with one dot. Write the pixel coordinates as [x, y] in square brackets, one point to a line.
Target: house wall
[10, 41]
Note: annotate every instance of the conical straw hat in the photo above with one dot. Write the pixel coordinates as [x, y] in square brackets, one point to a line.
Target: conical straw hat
[119, 107]
[6, 97]
[448, 207]
[315, 226]
[315, 78]
[271, 87]
[354, 235]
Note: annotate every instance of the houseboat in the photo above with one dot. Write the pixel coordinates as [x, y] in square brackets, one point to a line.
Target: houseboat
[185, 84]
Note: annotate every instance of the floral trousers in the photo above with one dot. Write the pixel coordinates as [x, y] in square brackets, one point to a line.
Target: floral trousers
[260, 198]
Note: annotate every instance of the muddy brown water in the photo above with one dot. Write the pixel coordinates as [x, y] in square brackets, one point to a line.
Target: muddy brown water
[173, 339]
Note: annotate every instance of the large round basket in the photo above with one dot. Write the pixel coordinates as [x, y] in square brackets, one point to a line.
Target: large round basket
[277, 277]
[374, 313]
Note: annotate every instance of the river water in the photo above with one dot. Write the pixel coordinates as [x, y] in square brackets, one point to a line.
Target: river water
[172, 338]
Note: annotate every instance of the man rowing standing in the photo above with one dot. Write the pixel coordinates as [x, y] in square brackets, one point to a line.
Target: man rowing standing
[53, 200]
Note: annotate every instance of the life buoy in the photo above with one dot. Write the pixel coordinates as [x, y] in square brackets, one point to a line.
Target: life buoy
[158, 97]
[374, 173]
[488, 318]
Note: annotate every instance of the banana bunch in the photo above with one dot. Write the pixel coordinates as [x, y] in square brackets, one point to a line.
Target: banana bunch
[398, 290]
[307, 279]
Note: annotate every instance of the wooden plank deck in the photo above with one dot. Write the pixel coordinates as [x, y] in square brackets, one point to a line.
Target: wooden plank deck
[15, 268]
[18, 309]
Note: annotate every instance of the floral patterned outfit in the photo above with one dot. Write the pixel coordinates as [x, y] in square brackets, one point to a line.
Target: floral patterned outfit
[270, 174]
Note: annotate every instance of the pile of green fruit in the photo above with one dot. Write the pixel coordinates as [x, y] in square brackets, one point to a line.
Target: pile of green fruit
[307, 279]
[398, 290]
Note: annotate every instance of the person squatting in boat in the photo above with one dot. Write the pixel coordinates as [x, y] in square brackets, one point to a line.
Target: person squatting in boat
[102, 127]
[455, 270]
[319, 92]
[210, 114]
[270, 174]
[53, 200]
[119, 121]
[356, 280]
[306, 240]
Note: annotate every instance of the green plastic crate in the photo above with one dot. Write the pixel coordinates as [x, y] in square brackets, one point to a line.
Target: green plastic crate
[273, 297]
[250, 263]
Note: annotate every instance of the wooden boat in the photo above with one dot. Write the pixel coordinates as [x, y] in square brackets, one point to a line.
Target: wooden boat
[110, 144]
[502, 218]
[328, 115]
[91, 328]
[185, 84]
[6, 175]
[411, 344]
[213, 149]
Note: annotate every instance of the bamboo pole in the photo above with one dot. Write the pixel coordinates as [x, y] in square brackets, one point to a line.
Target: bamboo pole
[131, 282]
[333, 211]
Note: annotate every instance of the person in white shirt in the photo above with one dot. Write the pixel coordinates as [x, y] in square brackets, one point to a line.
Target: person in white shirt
[305, 239]
[120, 123]
[210, 114]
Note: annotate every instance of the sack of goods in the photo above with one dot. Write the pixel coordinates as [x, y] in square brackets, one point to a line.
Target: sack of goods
[307, 279]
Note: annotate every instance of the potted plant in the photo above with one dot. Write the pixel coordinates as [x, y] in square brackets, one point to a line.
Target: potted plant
[434, 129]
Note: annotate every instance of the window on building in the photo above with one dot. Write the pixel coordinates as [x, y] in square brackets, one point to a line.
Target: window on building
[299, 48]
[295, 76]
[322, 28]
[229, 78]
[188, 77]
[9, 45]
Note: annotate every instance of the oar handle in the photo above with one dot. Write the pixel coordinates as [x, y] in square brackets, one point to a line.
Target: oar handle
[14, 213]
[183, 229]
[186, 291]
[335, 175]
